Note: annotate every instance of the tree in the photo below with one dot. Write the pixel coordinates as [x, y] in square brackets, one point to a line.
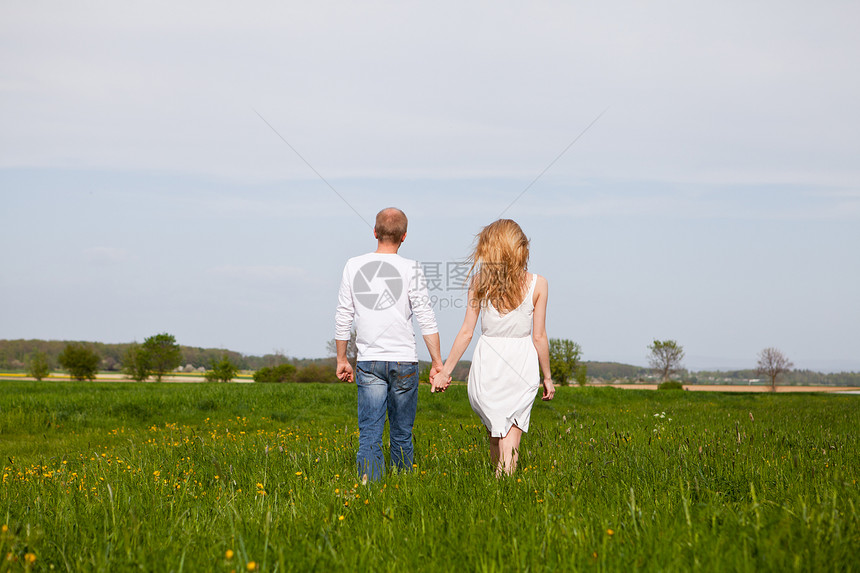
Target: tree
[81, 362]
[564, 357]
[315, 372]
[136, 363]
[666, 356]
[581, 375]
[280, 373]
[37, 365]
[164, 354]
[276, 358]
[772, 363]
[222, 371]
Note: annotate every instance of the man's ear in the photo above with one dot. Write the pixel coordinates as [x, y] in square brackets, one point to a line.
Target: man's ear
[403, 238]
[375, 236]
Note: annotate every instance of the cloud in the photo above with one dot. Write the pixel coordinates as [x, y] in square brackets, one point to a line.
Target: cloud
[264, 274]
[695, 91]
[106, 256]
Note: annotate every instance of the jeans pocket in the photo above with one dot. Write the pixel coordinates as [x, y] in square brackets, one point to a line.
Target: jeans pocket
[406, 375]
[365, 375]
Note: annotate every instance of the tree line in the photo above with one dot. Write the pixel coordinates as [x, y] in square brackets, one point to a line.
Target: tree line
[14, 353]
[160, 354]
[665, 358]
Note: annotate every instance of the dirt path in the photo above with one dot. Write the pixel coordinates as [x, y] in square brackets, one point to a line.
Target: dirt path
[115, 377]
[743, 388]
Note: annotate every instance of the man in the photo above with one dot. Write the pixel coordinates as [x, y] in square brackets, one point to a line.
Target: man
[380, 292]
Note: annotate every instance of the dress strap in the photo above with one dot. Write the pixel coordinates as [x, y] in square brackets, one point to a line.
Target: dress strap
[531, 294]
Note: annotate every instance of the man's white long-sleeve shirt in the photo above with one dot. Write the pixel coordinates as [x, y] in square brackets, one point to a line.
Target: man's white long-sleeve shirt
[381, 292]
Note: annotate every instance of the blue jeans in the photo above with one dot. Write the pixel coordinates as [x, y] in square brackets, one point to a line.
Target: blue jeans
[392, 387]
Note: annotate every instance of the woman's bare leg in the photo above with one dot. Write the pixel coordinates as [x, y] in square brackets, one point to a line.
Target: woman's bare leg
[494, 452]
[509, 451]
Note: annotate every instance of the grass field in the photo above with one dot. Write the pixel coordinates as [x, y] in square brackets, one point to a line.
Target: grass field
[204, 477]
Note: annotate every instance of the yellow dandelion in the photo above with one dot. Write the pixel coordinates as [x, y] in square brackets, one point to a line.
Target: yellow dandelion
[341, 518]
[30, 558]
[5, 528]
[252, 565]
[610, 532]
[229, 554]
[298, 473]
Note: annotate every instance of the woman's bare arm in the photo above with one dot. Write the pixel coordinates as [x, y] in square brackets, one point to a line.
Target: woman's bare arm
[539, 335]
[461, 342]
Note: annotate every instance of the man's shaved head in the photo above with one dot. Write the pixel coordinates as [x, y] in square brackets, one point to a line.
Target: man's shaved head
[390, 225]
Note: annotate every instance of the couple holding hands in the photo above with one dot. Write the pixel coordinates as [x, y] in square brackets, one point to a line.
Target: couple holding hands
[379, 294]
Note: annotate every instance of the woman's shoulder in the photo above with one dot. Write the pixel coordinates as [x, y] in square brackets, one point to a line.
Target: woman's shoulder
[538, 279]
[541, 287]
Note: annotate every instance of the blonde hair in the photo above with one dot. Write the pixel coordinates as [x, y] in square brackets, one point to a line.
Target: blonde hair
[499, 264]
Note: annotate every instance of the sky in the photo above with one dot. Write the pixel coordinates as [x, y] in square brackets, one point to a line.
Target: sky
[685, 171]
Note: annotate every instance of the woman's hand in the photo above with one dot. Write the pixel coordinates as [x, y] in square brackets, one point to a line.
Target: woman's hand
[548, 389]
[439, 382]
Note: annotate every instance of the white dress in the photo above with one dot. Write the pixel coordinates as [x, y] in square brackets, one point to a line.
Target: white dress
[505, 374]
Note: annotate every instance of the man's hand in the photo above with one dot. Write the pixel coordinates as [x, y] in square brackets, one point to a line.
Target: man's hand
[344, 371]
[435, 368]
[344, 368]
[439, 381]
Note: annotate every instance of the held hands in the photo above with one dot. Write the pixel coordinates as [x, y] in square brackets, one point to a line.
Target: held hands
[548, 389]
[439, 381]
[344, 371]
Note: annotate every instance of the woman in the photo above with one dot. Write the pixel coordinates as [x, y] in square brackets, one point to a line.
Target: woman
[504, 375]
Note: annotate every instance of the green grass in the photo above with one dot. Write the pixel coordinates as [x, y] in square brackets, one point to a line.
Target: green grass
[126, 476]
